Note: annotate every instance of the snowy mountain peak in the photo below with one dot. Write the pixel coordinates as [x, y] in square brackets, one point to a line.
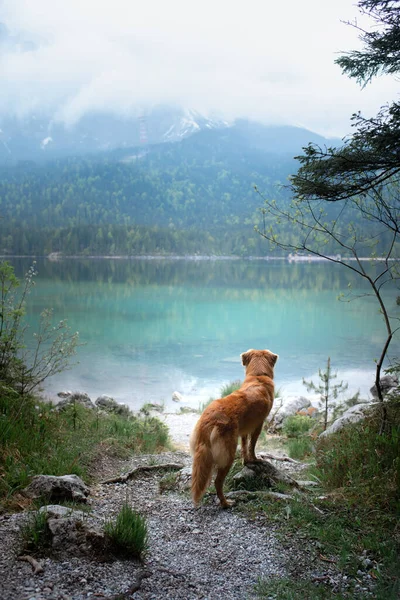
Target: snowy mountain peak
[191, 122]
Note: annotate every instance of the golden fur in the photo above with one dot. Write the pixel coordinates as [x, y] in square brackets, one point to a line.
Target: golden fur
[241, 414]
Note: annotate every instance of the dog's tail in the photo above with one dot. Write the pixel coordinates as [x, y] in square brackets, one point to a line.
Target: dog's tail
[202, 466]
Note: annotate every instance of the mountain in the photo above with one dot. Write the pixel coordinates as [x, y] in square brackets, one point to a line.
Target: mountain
[39, 138]
[192, 197]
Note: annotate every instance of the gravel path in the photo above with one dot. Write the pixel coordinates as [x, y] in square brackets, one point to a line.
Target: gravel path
[206, 553]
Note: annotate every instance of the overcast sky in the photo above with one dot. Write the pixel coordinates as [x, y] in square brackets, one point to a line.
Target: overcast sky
[270, 61]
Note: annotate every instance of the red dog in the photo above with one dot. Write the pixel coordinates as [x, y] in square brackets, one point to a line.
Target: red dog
[242, 413]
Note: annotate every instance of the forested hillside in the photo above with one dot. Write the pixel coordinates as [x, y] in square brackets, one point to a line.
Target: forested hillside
[192, 197]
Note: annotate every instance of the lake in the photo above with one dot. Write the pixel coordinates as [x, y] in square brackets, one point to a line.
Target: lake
[152, 327]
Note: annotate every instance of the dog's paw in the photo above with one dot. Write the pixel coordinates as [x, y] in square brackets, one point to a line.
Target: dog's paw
[228, 504]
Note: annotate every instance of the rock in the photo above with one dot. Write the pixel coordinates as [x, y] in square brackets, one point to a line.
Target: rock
[57, 510]
[70, 534]
[64, 394]
[244, 474]
[307, 483]
[352, 415]
[388, 384]
[291, 407]
[263, 472]
[77, 397]
[110, 405]
[184, 479]
[64, 487]
[177, 397]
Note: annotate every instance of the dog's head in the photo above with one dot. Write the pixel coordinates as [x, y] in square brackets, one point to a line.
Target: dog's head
[259, 362]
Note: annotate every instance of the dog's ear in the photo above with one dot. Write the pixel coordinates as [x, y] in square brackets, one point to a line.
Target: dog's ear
[272, 357]
[246, 356]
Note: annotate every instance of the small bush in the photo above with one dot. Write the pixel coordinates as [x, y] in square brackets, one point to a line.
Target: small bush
[127, 535]
[296, 425]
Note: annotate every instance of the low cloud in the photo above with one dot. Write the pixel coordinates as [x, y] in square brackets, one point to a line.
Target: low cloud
[233, 59]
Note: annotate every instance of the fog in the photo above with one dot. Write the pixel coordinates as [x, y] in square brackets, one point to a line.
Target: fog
[272, 62]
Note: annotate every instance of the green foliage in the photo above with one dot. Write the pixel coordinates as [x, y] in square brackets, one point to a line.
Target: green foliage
[127, 535]
[300, 448]
[35, 533]
[290, 589]
[354, 522]
[326, 390]
[35, 438]
[26, 367]
[364, 461]
[343, 529]
[381, 51]
[176, 200]
[295, 426]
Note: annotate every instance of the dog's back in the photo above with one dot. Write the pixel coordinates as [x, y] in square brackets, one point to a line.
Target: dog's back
[242, 413]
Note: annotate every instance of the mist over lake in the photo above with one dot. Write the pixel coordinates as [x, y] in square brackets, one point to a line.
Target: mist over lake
[152, 327]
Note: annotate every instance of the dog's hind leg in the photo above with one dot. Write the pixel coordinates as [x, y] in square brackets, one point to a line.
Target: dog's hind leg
[253, 440]
[245, 448]
[223, 466]
[222, 472]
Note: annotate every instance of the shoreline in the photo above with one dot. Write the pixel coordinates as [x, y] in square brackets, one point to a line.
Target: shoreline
[58, 257]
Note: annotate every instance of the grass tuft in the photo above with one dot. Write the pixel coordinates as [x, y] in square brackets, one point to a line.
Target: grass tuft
[127, 535]
[300, 448]
[36, 534]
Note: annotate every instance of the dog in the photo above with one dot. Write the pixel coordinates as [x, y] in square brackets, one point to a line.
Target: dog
[242, 414]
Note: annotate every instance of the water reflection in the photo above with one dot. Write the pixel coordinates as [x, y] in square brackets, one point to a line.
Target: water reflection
[155, 326]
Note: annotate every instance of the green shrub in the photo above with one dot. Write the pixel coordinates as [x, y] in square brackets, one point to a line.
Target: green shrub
[127, 535]
[362, 460]
[296, 425]
[25, 366]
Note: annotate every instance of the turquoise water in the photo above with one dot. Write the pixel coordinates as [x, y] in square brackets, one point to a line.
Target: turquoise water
[152, 327]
